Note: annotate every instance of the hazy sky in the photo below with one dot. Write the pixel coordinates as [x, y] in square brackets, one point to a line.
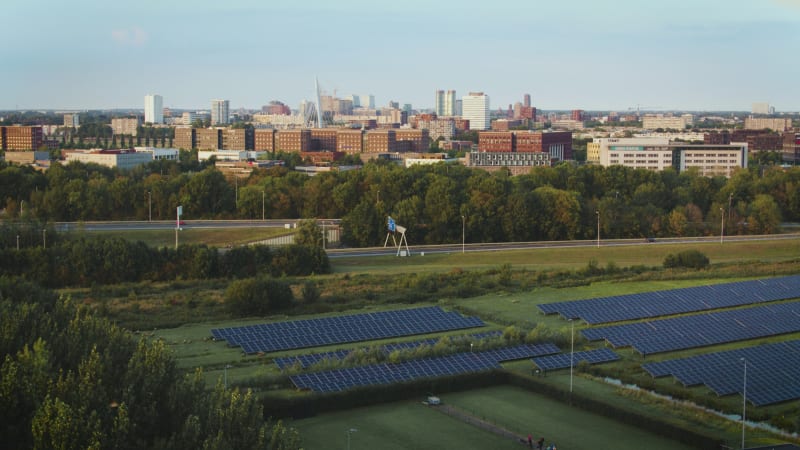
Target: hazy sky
[589, 54]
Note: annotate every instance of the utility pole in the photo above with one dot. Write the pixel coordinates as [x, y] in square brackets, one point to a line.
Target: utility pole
[149, 206]
[597, 212]
[721, 225]
[263, 198]
[463, 232]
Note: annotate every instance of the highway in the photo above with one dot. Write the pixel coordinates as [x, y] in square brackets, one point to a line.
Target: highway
[415, 249]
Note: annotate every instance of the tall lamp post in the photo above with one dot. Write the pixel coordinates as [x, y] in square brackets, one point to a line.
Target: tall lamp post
[349, 432]
[44, 238]
[744, 399]
[463, 232]
[149, 206]
[597, 212]
[263, 198]
[721, 225]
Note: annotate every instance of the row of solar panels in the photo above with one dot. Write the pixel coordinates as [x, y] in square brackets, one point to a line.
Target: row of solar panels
[278, 336]
[564, 360]
[773, 372]
[307, 360]
[384, 373]
[682, 333]
[676, 301]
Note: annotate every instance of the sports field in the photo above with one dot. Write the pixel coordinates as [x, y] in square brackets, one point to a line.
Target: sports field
[411, 425]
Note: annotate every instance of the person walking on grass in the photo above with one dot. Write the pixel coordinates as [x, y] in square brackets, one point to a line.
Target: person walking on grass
[530, 441]
[540, 444]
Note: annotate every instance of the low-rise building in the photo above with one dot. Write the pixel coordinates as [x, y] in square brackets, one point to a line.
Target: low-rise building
[124, 159]
[517, 163]
[653, 122]
[208, 138]
[761, 123]
[264, 140]
[167, 154]
[350, 141]
[380, 141]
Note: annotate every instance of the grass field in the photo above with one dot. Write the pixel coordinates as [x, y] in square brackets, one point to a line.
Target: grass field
[572, 258]
[213, 237]
[408, 425]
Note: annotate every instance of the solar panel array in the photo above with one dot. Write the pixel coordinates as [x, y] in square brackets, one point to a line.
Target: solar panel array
[773, 372]
[701, 330]
[385, 373]
[676, 301]
[564, 360]
[278, 336]
[310, 359]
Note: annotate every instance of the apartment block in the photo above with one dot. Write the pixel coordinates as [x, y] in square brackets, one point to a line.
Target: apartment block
[185, 138]
[760, 123]
[127, 126]
[758, 140]
[380, 141]
[496, 141]
[791, 148]
[505, 124]
[323, 139]
[418, 140]
[72, 120]
[20, 138]
[208, 138]
[653, 122]
[264, 140]
[238, 139]
[350, 141]
[293, 140]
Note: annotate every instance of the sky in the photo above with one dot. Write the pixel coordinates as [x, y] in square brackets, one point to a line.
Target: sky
[699, 55]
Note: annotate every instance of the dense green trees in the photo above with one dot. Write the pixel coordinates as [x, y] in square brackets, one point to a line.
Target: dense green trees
[548, 203]
[104, 260]
[70, 380]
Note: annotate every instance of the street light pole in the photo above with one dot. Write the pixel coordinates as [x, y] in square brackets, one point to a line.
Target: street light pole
[597, 212]
[263, 196]
[149, 206]
[349, 432]
[44, 238]
[17, 242]
[722, 225]
[730, 203]
[225, 375]
[744, 400]
[463, 232]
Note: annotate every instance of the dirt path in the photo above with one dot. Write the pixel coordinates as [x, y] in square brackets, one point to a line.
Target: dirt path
[476, 421]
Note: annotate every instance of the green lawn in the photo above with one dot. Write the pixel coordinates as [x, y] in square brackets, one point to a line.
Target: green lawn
[213, 237]
[408, 425]
[571, 258]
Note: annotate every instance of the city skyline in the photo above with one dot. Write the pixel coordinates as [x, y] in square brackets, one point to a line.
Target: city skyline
[681, 55]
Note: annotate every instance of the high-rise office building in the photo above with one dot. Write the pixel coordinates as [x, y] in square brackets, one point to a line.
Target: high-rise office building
[446, 103]
[153, 108]
[219, 112]
[526, 102]
[476, 110]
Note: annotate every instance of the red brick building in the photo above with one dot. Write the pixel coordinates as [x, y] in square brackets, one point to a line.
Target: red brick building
[19, 138]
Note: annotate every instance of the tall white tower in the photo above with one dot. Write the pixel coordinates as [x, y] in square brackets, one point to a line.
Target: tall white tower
[153, 108]
[219, 112]
[476, 109]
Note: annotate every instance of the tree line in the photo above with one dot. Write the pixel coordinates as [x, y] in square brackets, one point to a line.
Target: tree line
[73, 380]
[433, 202]
[108, 260]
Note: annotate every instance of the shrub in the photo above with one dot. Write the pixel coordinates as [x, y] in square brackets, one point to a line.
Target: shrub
[258, 296]
[691, 259]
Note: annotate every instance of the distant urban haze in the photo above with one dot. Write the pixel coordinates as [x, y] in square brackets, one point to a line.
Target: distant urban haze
[589, 54]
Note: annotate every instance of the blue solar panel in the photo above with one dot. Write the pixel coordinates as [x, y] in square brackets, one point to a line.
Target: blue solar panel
[701, 330]
[308, 360]
[343, 379]
[289, 335]
[676, 301]
[773, 372]
[564, 360]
